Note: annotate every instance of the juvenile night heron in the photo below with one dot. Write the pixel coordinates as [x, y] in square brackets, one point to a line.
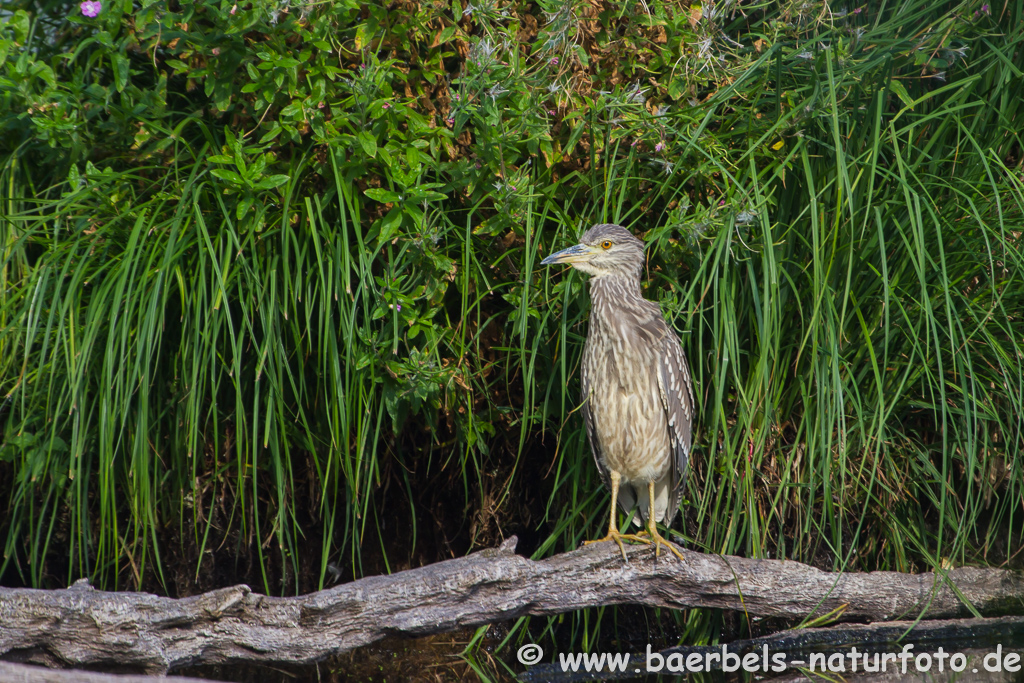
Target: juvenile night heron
[637, 393]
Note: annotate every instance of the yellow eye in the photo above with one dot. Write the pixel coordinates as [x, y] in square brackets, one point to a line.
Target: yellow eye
[607, 244]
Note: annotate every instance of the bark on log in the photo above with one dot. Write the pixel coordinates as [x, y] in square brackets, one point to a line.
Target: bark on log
[83, 627]
[21, 673]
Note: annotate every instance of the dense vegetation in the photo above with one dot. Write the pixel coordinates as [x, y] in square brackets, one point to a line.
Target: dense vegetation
[271, 306]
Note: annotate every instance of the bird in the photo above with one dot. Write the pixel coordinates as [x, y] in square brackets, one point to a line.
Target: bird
[637, 391]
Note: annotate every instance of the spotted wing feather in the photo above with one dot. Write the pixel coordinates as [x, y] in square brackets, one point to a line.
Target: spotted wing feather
[677, 396]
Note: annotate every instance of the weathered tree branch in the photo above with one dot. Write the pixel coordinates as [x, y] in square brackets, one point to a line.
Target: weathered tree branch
[81, 626]
[20, 673]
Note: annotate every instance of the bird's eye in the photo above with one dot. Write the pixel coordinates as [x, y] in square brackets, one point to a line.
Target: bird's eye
[607, 244]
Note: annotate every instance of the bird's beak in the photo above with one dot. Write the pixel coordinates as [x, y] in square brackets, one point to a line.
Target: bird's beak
[574, 254]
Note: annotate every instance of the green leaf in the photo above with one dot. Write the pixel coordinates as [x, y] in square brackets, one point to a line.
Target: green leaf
[416, 194]
[225, 174]
[901, 92]
[381, 195]
[222, 91]
[19, 21]
[364, 34]
[445, 35]
[390, 224]
[271, 181]
[368, 143]
[677, 88]
[243, 208]
[582, 55]
[42, 70]
[274, 131]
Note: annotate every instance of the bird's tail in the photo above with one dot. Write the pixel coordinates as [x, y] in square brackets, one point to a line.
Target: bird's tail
[637, 495]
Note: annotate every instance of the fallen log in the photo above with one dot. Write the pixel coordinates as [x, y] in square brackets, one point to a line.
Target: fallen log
[82, 627]
[21, 673]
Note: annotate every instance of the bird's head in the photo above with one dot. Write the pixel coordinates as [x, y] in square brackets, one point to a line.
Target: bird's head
[605, 249]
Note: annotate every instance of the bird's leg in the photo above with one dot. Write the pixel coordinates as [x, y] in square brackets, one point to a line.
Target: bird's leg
[652, 527]
[613, 529]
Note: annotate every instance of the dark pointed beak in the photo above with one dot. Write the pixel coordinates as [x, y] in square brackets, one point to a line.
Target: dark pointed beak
[574, 254]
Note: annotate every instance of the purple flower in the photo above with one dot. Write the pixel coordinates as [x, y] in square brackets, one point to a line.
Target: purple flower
[91, 8]
[984, 9]
[659, 147]
[554, 60]
[385, 106]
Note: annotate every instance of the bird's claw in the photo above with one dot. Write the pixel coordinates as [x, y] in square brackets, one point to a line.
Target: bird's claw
[658, 540]
[614, 535]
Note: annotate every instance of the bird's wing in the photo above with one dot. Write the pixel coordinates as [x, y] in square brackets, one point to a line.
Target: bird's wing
[676, 387]
[588, 421]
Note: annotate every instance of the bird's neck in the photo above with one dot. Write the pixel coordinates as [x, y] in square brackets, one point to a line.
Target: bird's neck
[617, 287]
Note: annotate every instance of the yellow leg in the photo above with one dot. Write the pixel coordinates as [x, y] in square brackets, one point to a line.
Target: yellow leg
[613, 529]
[652, 527]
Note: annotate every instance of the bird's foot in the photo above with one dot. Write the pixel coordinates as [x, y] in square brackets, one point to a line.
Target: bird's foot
[614, 535]
[658, 540]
